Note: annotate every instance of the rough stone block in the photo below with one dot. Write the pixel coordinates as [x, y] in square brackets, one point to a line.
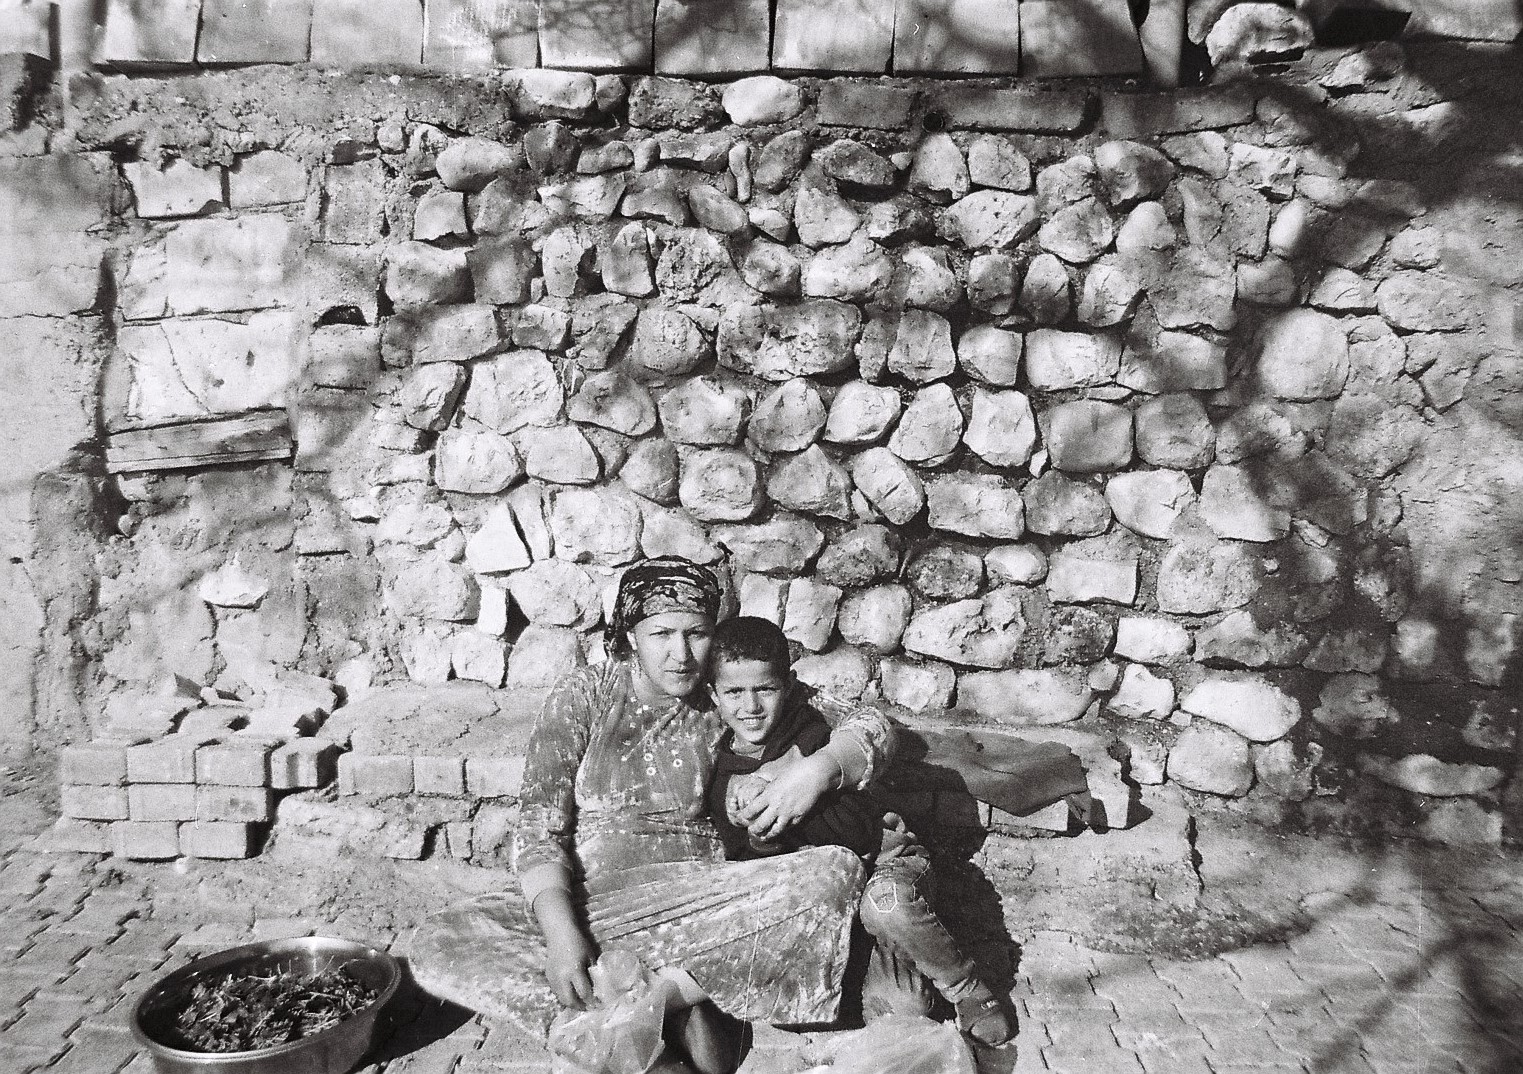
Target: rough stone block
[224, 839]
[917, 686]
[169, 760]
[1211, 759]
[1026, 696]
[242, 765]
[336, 277]
[89, 802]
[1138, 115]
[327, 426]
[52, 194]
[52, 278]
[975, 107]
[374, 774]
[1074, 575]
[95, 764]
[26, 28]
[699, 37]
[180, 189]
[342, 356]
[438, 775]
[150, 34]
[960, 37]
[194, 367]
[367, 33]
[596, 35]
[494, 777]
[354, 199]
[845, 103]
[468, 35]
[1065, 38]
[1088, 436]
[162, 801]
[79, 836]
[254, 31]
[214, 266]
[146, 840]
[265, 178]
[306, 762]
[978, 505]
[1473, 20]
[833, 35]
[1250, 705]
[236, 804]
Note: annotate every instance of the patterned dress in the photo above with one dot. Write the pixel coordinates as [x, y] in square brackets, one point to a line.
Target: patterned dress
[613, 802]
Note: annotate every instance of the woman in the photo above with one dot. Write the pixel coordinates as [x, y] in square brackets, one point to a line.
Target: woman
[613, 849]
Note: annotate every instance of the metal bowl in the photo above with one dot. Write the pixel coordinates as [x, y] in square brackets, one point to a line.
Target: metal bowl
[335, 1050]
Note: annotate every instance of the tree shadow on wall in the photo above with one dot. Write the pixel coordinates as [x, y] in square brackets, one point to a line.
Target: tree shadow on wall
[1445, 418]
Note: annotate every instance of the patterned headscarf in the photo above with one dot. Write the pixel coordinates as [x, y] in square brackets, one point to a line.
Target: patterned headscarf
[667, 584]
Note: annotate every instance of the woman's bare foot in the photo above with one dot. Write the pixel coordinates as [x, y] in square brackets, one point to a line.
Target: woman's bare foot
[985, 1018]
[714, 1041]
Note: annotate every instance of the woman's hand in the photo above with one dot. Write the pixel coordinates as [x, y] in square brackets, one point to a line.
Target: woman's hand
[795, 788]
[566, 962]
[568, 949]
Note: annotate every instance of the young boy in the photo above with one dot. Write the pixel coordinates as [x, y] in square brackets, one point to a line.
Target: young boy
[767, 717]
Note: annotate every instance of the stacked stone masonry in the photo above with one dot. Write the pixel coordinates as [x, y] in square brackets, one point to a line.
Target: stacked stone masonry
[1132, 412]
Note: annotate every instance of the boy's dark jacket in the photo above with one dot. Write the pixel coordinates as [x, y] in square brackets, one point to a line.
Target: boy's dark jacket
[842, 818]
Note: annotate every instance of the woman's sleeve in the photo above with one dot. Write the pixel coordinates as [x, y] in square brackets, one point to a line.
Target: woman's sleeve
[861, 740]
[542, 845]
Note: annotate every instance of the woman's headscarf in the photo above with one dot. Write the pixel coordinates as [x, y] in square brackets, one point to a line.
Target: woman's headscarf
[666, 584]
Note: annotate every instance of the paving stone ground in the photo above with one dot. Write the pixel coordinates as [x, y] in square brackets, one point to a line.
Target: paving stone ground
[1400, 960]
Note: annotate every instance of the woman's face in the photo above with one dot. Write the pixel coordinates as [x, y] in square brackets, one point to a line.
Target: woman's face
[672, 650]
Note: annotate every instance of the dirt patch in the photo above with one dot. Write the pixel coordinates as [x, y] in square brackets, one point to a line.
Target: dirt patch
[1189, 933]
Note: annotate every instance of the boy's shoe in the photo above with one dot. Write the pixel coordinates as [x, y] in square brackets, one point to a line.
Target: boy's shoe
[985, 1018]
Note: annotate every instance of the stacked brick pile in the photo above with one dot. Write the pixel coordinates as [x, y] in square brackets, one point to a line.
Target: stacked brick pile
[171, 776]
[430, 771]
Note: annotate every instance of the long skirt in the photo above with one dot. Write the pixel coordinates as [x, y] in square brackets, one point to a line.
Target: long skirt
[767, 940]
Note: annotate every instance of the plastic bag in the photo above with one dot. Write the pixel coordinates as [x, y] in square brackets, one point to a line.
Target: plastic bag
[621, 1032]
[902, 1045]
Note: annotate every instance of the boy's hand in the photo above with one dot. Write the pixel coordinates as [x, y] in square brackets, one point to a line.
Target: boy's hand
[797, 784]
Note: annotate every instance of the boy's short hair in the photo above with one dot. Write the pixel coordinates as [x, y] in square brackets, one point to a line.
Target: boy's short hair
[750, 637]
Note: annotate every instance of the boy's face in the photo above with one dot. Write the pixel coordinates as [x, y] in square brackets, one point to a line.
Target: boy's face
[749, 695]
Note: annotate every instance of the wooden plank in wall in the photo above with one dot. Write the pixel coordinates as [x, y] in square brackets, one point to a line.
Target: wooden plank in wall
[957, 37]
[702, 37]
[478, 35]
[261, 434]
[596, 35]
[833, 35]
[254, 31]
[1072, 38]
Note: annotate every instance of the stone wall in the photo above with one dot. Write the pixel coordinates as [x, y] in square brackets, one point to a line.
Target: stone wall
[1190, 420]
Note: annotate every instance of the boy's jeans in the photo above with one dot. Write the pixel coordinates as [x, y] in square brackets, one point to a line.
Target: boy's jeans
[896, 911]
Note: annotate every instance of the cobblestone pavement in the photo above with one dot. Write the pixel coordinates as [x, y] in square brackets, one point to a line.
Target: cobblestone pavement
[1404, 962]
